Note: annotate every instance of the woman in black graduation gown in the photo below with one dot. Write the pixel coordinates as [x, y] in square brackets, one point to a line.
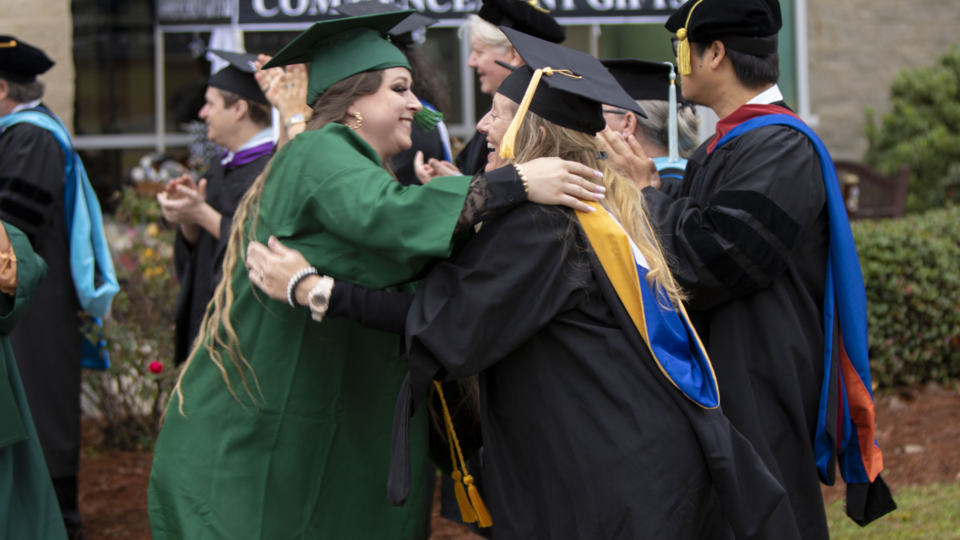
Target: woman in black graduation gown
[205, 212]
[589, 431]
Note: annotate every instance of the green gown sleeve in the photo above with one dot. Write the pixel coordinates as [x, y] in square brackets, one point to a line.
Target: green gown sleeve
[329, 197]
[30, 271]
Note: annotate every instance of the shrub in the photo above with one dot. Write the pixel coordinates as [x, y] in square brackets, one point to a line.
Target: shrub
[127, 400]
[911, 268]
[922, 130]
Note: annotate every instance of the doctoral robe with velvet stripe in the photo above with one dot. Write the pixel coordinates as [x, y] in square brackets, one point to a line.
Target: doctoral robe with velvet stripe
[748, 235]
[47, 339]
[584, 438]
[199, 266]
[28, 504]
[310, 458]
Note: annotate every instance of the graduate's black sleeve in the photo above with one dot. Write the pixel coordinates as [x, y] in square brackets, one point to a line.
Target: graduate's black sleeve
[489, 195]
[512, 279]
[371, 308]
[745, 236]
[31, 179]
[473, 158]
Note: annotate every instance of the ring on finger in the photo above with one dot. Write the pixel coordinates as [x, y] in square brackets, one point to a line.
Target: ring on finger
[261, 274]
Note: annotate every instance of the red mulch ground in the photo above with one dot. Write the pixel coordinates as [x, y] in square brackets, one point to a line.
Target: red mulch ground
[918, 430]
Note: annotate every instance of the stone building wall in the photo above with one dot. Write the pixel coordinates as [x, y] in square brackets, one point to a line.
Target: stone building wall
[48, 25]
[857, 47]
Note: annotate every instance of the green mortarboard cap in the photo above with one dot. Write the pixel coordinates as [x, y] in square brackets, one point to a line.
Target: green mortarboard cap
[341, 48]
[367, 7]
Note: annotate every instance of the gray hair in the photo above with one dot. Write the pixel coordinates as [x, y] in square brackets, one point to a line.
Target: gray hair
[25, 92]
[485, 32]
[656, 125]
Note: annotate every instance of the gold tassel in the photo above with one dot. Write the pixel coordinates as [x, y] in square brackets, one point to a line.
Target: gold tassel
[534, 4]
[466, 511]
[478, 512]
[510, 137]
[683, 48]
[683, 52]
[483, 515]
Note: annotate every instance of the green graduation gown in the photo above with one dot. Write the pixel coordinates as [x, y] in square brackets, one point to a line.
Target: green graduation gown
[310, 458]
[28, 505]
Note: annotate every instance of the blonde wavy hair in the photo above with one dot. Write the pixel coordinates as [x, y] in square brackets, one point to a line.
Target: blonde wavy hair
[538, 138]
[217, 334]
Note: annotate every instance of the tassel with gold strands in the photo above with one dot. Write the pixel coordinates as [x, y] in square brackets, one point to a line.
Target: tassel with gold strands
[478, 511]
[535, 5]
[683, 47]
[510, 137]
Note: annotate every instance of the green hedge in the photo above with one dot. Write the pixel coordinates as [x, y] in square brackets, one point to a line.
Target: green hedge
[911, 268]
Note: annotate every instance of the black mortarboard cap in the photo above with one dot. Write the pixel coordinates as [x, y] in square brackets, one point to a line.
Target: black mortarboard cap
[340, 48]
[524, 17]
[400, 31]
[569, 90]
[21, 62]
[642, 79]
[238, 76]
[746, 26]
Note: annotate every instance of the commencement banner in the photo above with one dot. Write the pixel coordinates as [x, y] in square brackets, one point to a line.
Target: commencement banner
[297, 13]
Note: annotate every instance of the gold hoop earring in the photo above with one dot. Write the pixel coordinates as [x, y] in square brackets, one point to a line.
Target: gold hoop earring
[359, 121]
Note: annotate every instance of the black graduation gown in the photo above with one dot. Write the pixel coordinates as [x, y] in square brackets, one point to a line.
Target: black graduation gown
[47, 340]
[473, 158]
[749, 237]
[583, 437]
[428, 142]
[199, 267]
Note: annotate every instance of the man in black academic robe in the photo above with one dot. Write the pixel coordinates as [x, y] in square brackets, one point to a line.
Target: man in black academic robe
[238, 119]
[749, 238]
[47, 342]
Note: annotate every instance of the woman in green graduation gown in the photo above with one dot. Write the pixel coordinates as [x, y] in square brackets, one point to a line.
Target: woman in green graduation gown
[28, 504]
[280, 427]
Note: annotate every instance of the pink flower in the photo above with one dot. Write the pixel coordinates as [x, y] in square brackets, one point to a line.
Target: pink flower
[156, 367]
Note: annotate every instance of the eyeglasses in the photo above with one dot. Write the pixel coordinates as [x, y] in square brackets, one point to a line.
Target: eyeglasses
[675, 43]
[618, 112]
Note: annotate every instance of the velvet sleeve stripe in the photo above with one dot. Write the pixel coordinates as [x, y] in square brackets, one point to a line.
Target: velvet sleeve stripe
[723, 267]
[23, 213]
[33, 192]
[765, 260]
[765, 211]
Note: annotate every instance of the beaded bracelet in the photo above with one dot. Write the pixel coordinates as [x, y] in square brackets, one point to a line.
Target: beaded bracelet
[295, 280]
[523, 178]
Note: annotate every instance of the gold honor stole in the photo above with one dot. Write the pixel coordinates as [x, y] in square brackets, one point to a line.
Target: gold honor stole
[668, 333]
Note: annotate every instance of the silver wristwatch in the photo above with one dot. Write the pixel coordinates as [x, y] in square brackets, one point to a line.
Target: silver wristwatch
[319, 298]
[295, 119]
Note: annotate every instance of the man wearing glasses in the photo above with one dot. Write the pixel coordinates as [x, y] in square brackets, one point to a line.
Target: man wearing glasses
[762, 246]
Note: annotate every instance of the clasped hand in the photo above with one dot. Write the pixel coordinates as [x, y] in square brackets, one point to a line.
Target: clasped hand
[183, 200]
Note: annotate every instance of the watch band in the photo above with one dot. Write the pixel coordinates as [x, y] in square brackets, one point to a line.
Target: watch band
[319, 297]
[295, 119]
